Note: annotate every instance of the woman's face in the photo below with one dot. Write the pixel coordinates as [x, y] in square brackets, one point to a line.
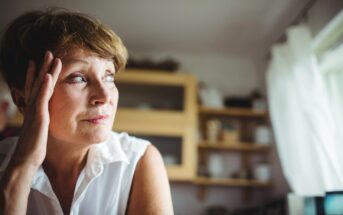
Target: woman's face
[83, 105]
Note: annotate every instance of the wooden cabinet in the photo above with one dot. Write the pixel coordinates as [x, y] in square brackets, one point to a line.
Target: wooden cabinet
[161, 107]
[244, 148]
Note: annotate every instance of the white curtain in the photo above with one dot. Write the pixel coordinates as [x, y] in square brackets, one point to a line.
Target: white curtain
[306, 134]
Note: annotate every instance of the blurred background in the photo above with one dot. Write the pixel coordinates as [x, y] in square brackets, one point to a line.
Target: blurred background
[242, 98]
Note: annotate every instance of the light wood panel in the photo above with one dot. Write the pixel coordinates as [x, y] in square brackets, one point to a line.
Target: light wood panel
[152, 77]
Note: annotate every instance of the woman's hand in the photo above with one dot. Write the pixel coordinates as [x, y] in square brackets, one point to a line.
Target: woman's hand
[30, 152]
[31, 146]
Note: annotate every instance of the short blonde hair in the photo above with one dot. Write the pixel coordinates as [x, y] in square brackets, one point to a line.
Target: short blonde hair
[58, 30]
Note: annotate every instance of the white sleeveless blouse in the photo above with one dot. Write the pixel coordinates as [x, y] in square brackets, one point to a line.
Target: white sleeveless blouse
[103, 186]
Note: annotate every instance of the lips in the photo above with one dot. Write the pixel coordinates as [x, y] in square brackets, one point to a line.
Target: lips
[99, 119]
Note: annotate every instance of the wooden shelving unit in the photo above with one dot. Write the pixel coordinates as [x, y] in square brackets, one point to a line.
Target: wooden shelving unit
[245, 147]
[164, 123]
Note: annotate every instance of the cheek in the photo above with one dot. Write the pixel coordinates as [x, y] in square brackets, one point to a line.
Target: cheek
[64, 101]
[115, 95]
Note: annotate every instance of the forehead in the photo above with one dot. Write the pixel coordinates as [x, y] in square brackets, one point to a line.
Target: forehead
[78, 55]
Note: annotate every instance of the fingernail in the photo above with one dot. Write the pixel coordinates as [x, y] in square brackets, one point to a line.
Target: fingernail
[46, 55]
[56, 61]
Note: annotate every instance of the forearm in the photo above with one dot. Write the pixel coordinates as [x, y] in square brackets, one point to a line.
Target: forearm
[15, 187]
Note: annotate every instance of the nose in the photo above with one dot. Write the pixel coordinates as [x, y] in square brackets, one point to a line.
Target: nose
[100, 93]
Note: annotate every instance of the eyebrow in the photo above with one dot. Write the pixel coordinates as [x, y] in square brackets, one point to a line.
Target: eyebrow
[68, 61]
[74, 60]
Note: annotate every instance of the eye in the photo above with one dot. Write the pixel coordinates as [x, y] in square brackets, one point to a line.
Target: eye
[76, 78]
[109, 77]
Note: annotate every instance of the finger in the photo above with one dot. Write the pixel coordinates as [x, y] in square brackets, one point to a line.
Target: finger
[43, 94]
[48, 58]
[30, 73]
[55, 72]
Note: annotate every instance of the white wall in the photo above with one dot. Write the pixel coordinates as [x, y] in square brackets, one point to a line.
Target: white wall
[232, 75]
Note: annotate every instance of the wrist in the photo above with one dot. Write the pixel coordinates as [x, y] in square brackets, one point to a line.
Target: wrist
[15, 187]
[19, 175]
[25, 162]
[18, 178]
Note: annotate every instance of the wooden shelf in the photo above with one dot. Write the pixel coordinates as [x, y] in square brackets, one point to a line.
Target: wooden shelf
[160, 114]
[245, 147]
[145, 122]
[231, 182]
[246, 119]
[235, 112]
[152, 77]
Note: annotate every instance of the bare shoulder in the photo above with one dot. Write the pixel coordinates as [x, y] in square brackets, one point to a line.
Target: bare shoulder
[150, 192]
[151, 154]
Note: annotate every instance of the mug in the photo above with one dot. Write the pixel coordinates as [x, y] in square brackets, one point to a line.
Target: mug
[213, 127]
[262, 172]
[215, 165]
[263, 135]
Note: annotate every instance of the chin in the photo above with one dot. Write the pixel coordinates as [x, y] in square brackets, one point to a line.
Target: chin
[96, 137]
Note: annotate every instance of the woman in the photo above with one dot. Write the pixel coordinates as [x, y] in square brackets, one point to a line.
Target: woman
[60, 67]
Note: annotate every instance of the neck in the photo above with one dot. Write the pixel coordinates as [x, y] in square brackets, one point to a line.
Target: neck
[64, 160]
[63, 164]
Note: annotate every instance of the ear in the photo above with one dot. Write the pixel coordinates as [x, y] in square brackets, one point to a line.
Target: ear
[18, 99]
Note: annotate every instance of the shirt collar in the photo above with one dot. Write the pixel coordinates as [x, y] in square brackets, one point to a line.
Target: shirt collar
[109, 151]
